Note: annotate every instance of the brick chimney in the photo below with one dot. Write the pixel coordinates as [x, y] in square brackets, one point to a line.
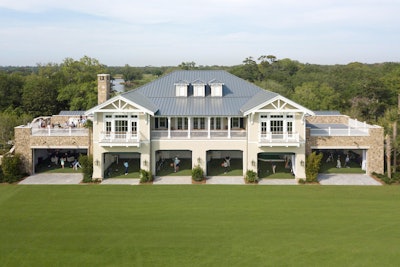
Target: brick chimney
[103, 88]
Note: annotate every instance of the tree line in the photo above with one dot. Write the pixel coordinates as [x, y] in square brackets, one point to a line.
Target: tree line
[368, 92]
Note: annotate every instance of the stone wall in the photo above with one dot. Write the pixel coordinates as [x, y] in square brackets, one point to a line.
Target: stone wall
[374, 143]
[22, 146]
[25, 142]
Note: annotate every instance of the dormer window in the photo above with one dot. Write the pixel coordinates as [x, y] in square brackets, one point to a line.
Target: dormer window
[181, 88]
[216, 87]
[199, 88]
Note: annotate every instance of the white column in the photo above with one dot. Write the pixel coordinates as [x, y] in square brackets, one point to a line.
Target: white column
[169, 127]
[209, 127]
[229, 127]
[189, 126]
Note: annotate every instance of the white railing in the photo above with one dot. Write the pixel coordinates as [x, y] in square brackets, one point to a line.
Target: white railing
[118, 137]
[330, 131]
[187, 134]
[279, 138]
[357, 124]
[57, 131]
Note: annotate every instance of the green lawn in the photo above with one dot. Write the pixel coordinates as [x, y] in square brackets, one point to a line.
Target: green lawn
[199, 225]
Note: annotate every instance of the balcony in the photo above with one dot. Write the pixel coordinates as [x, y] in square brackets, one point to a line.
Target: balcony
[198, 134]
[59, 131]
[337, 130]
[279, 139]
[119, 139]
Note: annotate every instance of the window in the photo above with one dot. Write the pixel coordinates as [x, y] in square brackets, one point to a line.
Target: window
[134, 127]
[289, 127]
[277, 123]
[162, 123]
[216, 123]
[182, 123]
[108, 126]
[199, 123]
[237, 123]
[121, 126]
[263, 127]
[276, 126]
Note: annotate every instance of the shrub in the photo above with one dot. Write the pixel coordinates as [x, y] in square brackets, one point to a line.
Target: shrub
[11, 168]
[384, 178]
[145, 176]
[251, 176]
[197, 173]
[302, 181]
[87, 168]
[1, 175]
[313, 163]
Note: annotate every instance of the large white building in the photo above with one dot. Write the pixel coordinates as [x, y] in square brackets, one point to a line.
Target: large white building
[204, 115]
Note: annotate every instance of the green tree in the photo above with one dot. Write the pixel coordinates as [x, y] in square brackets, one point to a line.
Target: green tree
[78, 82]
[39, 96]
[9, 119]
[316, 96]
[10, 90]
[11, 167]
[313, 163]
[130, 73]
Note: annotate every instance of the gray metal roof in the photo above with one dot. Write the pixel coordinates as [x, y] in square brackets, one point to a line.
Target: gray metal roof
[327, 113]
[72, 113]
[238, 95]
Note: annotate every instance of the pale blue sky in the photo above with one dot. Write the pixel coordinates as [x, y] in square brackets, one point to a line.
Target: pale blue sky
[208, 32]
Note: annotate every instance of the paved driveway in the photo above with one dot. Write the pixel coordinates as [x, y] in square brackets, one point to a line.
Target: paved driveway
[53, 178]
[347, 179]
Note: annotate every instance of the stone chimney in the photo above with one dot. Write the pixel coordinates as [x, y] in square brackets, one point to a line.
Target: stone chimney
[103, 88]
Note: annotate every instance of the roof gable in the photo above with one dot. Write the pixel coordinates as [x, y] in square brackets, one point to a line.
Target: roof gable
[278, 104]
[121, 104]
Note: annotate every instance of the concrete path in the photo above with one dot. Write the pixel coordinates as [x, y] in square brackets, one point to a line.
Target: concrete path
[122, 181]
[277, 182]
[76, 178]
[162, 180]
[53, 178]
[347, 179]
[225, 180]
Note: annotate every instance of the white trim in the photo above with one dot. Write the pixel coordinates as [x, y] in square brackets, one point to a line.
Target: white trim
[339, 147]
[279, 106]
[117, 102]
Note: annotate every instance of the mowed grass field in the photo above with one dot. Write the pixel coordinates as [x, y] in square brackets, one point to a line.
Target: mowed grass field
[199, 225]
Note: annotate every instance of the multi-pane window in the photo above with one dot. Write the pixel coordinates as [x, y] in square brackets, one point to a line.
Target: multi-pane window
[216, 124]
[120, 123]
[134, 127]
[277, 123]
[199, 123]
[121, 126]
[182, 123]
[263, 127]
[162, 122]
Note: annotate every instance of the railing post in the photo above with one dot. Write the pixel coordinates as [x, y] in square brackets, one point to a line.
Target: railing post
[348, 131]
[329, 131]
[70, 130]
[49, 129]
